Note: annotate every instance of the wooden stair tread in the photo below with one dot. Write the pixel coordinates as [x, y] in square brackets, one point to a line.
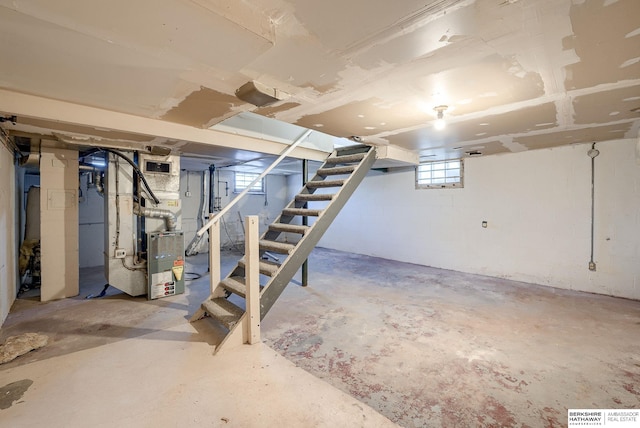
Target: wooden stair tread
[223, 310]
[338, 170]
[236, 285]
[306, 197]
[357, 157]
[278, 247]
[290, 228]
[325, 183]
[301, 211]
[266, 268]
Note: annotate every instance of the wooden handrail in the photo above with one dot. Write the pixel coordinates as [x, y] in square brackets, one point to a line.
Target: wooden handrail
[235, 200]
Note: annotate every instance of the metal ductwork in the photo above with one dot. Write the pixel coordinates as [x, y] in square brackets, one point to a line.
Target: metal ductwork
[169, 217]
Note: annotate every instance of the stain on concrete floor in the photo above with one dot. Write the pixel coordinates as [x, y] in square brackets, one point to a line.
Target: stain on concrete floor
[428, 347]
[13, 392]
[78, 323]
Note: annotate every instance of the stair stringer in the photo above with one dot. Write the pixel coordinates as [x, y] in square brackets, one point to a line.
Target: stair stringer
[236, 336]
[292, 263]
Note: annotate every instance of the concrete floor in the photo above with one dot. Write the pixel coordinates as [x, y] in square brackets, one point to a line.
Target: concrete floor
[368, 340]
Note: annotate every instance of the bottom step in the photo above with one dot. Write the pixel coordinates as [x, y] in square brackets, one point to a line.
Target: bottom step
[223, 310]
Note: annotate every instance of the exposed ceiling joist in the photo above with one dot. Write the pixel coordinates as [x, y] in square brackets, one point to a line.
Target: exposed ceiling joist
[79, 122]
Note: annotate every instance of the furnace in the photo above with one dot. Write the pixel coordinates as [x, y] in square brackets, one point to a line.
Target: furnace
[144, 247]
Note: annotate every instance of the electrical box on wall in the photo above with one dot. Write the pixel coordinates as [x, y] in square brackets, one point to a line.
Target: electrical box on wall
[165, 264]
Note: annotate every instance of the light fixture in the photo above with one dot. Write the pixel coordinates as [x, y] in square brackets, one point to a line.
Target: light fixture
[440, 123]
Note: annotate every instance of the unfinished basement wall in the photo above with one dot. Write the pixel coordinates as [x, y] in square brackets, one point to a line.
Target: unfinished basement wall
[267, 206]
[91, 225]
[537, 206]
[8, 254]
[191, 198]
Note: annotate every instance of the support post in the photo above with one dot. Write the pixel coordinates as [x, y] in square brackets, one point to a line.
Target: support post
[305, 222]
[58, 222]
[252, 279]
[214, 257]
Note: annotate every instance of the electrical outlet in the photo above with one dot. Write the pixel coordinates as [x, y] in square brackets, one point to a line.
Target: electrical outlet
[592, 266]
[120, 253]
[187, 194]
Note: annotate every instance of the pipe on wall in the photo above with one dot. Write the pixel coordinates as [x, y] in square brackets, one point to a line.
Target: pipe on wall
[206, 180]
[192, 248]
[212, 195]
[100, 183]
[592, 154]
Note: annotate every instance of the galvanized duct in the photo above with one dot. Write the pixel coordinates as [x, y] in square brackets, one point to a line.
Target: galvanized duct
[168, 216]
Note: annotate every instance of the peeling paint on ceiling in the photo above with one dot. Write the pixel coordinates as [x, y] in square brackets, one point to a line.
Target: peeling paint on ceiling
[270, 111]
[614, 105]
[576, 136]
[469, 133]
[203, 108]
[364, 118]
[604, 41]
[515, 75]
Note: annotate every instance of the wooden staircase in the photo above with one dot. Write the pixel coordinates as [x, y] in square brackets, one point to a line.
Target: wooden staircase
[320, 201]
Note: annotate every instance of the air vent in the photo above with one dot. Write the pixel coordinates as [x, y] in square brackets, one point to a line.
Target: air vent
[157, 167]
[258, 94]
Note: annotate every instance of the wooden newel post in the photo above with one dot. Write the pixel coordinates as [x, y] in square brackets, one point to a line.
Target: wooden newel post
[252, 278]
[214, 258]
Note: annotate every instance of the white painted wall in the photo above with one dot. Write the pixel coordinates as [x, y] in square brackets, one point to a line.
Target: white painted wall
[537, 205]
[8, 224]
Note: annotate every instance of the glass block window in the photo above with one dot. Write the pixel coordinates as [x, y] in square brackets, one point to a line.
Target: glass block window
[242, 180]
[438, 175]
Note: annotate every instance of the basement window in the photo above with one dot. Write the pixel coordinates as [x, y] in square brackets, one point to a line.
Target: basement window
[438, 175]
[242, 180]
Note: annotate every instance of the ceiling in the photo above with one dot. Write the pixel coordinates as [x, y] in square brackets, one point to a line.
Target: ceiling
[516, 75]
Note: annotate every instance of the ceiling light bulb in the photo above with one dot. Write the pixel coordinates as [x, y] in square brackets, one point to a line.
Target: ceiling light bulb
[440, 123]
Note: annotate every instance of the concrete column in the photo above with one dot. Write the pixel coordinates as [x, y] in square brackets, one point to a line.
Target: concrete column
[58, 222]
